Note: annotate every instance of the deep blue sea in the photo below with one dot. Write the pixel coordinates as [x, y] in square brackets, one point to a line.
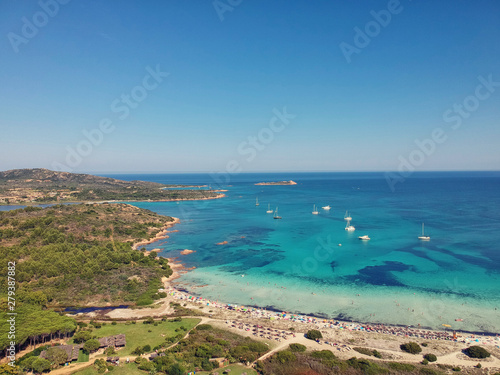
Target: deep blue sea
[296, 264]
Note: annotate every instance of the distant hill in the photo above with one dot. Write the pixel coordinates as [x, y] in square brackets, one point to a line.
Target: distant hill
[38, 185]
[41, 177]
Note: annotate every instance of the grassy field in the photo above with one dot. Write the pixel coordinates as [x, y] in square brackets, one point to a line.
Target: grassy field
[131, 369]
[123, 369]
[82, 357]
[235, 370]
[139, 335]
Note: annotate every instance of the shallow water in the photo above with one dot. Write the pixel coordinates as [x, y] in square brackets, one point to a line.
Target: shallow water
[295, 264]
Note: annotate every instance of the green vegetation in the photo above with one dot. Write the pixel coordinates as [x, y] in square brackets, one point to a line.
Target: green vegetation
[476, 352]
[44, 186]
[411, 347]
[123, 369]
[201, 345]
[34, 325]
[406, 367]
[314, 334]
[297, 347]
[139, 336]
[82, 357]
[91, 346]
[64, 256]
[430, 357]
[369, 352]
[325, 362]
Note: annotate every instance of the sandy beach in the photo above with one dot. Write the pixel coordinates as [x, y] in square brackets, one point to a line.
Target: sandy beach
[279, 328]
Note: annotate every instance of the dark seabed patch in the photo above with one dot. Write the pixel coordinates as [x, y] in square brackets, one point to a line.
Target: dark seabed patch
[333, 265]
[381, 275]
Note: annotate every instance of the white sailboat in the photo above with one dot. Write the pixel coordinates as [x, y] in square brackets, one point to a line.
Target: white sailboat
[276, 216]
[256, 201]
[326, 208]
[349, 227]
[364, 238]
[269, 211]
[423, 237]
[347, 217]
[315, 210]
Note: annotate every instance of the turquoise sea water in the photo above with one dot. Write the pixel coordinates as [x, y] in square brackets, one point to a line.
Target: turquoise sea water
[296, 265]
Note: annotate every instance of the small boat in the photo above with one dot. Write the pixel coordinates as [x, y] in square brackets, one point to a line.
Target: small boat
[315, 210]
[269, 211]
[364, 238]
[347, 217]
[459, 320]
[423, 237]
[276, 216]
[326, 207]
[349, 227]
[256, 201]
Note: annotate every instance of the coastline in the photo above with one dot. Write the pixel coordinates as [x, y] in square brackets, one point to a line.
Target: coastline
[178, 292]
[161, 235]
[218, 196]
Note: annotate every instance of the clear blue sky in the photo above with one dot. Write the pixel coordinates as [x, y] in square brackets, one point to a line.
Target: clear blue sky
[230, 68]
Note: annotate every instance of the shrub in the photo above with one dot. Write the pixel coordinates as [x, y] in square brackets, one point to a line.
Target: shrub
[323, 354]
[479, 365]
[411, 347]
[207, 365]
[258, 347]
[176, 369]
[425, 362]
[146, 365]
[376, 354]
[314, 334]
[365, 366]
[297, 348]
[286, 356]
[364, 351]
[138, 351]
[204, 327]
[456, 369]
[401, 366]
[91, 345]
[429, 371]
[82, 336]
[109, 350]
[146, 348]
[477, 352]
[113, 323]
[430, 357]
